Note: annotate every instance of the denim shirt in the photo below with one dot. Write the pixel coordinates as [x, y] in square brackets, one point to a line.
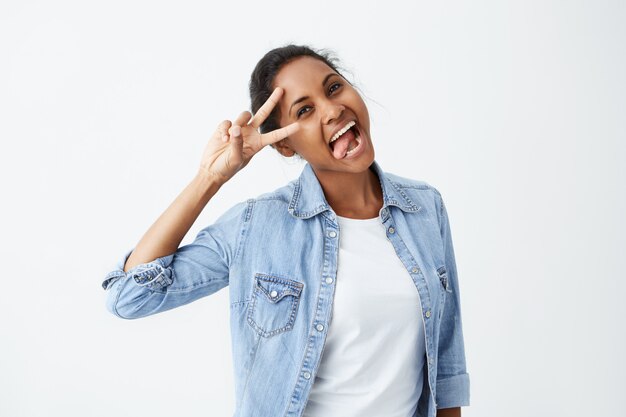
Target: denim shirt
[278, 255]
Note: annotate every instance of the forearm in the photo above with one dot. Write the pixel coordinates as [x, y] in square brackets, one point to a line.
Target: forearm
[165, 235]
[449, 412]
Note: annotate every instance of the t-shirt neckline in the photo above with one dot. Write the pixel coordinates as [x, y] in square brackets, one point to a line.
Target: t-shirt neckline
[355, 221]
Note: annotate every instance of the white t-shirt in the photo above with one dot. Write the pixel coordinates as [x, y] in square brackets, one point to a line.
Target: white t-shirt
[374, 354]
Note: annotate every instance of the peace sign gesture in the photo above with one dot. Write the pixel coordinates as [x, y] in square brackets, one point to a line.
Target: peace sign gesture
[232, 145]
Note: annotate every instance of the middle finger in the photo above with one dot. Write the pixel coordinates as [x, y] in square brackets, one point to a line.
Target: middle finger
[267, 107]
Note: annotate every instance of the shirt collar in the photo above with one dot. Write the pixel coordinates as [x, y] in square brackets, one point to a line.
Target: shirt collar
[308, 197]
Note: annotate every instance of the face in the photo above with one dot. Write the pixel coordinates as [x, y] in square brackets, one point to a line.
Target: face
[323, 103]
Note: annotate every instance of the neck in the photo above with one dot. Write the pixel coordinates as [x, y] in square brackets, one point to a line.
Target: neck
[356, 195]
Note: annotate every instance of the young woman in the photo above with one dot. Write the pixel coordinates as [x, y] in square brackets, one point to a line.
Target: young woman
[343, 283]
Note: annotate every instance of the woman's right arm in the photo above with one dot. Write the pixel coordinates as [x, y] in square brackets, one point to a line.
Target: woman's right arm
[157, 274]
[165, 235]
[229, 150]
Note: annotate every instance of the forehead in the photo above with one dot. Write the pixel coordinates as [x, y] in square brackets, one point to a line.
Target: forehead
[301, 75]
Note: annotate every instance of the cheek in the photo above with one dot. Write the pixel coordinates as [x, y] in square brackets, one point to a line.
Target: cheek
[365, 112]
[309, 135]
[363, 115]
[359, 103]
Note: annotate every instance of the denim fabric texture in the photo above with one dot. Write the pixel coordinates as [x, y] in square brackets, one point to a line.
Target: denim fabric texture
[278, 255]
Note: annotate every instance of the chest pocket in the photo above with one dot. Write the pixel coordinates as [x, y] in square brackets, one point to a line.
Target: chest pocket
[274, 304]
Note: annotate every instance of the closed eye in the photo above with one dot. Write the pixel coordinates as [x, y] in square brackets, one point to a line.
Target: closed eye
[331, 90]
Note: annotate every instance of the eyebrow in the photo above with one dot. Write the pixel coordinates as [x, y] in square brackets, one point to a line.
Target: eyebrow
[301, 99]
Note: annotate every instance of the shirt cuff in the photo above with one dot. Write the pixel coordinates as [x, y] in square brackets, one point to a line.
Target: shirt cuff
[453, 391]
[154, 275]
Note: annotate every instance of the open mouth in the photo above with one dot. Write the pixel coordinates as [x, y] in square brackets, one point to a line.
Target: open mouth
[346, 143]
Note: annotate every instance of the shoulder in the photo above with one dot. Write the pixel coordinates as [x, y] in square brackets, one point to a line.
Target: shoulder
[269, 202]
[415, 187]
[419, 192]
[237, 213]
[282, 193]
[410, 183]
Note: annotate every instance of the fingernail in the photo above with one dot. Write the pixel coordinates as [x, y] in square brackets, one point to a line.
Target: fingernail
[236, 131]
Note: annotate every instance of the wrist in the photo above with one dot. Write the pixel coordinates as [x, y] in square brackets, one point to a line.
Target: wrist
[208, 182]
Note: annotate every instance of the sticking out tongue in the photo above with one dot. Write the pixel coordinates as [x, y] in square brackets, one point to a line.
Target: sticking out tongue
[340, 146]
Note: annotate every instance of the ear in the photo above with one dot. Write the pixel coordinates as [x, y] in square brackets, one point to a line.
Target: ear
[282, 146]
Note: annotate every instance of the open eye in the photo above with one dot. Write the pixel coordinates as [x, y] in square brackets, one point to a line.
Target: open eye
[331, 90]
[331, 87]
[300, 113]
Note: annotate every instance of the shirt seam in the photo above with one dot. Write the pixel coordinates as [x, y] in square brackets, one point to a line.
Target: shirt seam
[243, 232]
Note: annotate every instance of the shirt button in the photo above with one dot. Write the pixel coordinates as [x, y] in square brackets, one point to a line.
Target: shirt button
[431, 360]
[306, 375]
[273, 294]
[427, 313]
[332, 233]
[384, 212]
[415, 269]
[329, 280]
[319, 327]
[392, 230]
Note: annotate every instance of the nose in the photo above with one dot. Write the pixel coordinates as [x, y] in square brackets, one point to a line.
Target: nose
[333, 112]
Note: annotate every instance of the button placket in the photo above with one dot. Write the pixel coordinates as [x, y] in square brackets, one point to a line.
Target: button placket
[319, 326]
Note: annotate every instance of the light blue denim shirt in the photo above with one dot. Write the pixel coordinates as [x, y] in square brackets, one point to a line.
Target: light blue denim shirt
[278, 255]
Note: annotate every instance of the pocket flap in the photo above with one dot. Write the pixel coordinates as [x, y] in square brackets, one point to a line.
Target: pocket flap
[443, 277]
[276, 288]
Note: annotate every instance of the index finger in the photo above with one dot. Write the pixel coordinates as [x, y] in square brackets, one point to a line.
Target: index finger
[279, 134]
[267, 107]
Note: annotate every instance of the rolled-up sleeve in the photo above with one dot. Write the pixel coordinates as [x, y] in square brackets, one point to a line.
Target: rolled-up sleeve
[453, 384]
[194, 271]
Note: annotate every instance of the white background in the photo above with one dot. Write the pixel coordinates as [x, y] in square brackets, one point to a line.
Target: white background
[513, 110]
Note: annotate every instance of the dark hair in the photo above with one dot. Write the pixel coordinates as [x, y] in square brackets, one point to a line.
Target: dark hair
[266, 69]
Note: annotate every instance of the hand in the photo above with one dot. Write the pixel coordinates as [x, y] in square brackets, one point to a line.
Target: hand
[232, 145]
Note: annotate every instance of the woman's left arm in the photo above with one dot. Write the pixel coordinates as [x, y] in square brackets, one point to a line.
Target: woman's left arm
[452, 378]
[449, 412]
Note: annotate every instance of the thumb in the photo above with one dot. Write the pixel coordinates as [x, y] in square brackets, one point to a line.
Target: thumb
[236, 144]
[235, 134]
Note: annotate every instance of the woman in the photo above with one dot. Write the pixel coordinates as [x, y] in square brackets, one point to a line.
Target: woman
[347, 260]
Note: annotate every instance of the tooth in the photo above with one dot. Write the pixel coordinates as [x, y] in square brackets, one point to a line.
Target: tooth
[343, 130]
